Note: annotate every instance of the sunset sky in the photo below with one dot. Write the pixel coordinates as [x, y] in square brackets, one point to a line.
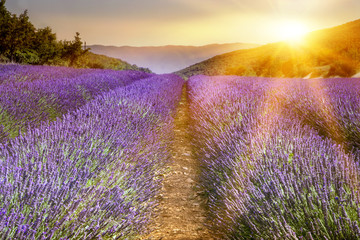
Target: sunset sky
[184, 22]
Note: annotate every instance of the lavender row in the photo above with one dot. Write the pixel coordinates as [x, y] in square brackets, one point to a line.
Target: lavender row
[265, 174]
[93, 174]
[332, 106]
[12, 73]
[27, 103]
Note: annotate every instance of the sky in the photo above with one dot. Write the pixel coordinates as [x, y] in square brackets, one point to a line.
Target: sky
[184, 22]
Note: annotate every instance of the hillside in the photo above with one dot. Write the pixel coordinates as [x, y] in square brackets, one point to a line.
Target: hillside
[92, 60]
[324, 53]
[165, 59]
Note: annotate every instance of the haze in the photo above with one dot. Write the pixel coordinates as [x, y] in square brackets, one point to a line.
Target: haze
[182, 22]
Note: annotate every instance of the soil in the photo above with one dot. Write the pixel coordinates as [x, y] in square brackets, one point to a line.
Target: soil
[181, 215]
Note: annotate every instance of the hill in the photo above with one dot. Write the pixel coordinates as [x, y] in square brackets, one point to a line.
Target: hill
[92, 60]
[165, 59]
[324, 53]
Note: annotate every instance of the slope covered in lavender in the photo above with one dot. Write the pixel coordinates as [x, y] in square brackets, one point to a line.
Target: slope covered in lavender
[331, 106]
[32, 94]
[94, 172]
[272, 162]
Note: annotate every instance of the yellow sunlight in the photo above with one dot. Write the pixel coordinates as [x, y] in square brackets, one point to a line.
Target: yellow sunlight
[290, 30]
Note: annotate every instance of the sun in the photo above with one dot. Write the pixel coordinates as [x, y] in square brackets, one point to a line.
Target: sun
[290, 30]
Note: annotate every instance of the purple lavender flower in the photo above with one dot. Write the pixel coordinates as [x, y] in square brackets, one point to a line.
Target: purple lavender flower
[93, 173]
[270, 167]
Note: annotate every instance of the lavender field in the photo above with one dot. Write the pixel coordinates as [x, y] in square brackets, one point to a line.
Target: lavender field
[30, 95]
[279, 157]
[83, 153]
[93, 172]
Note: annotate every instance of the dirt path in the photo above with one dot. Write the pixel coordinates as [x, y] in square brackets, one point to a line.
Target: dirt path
[181, 215]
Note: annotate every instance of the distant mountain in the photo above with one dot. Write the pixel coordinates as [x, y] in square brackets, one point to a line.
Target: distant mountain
[166, 59]
[325, 53]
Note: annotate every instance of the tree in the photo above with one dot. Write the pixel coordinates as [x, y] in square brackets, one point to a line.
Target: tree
[46, 46]
[73, 49]
[6, 25]
[16, 33]
[22, 38]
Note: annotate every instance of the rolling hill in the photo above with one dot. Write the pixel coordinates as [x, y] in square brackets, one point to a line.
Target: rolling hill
[166, 59]
[324, 53]
[92, 60]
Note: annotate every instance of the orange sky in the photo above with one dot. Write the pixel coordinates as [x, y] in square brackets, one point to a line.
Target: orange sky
[183, 22]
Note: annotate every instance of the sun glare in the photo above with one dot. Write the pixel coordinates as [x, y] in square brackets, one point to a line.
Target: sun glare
[291, 30]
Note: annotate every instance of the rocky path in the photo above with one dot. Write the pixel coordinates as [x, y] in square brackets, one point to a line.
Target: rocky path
[181, 215]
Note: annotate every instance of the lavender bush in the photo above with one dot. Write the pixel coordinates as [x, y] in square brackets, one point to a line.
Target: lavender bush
[32, 94]
[265, 173]
[331, 106]
[21, 73]
[94, 173]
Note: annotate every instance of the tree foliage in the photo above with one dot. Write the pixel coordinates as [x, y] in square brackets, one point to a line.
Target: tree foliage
[21, 42]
